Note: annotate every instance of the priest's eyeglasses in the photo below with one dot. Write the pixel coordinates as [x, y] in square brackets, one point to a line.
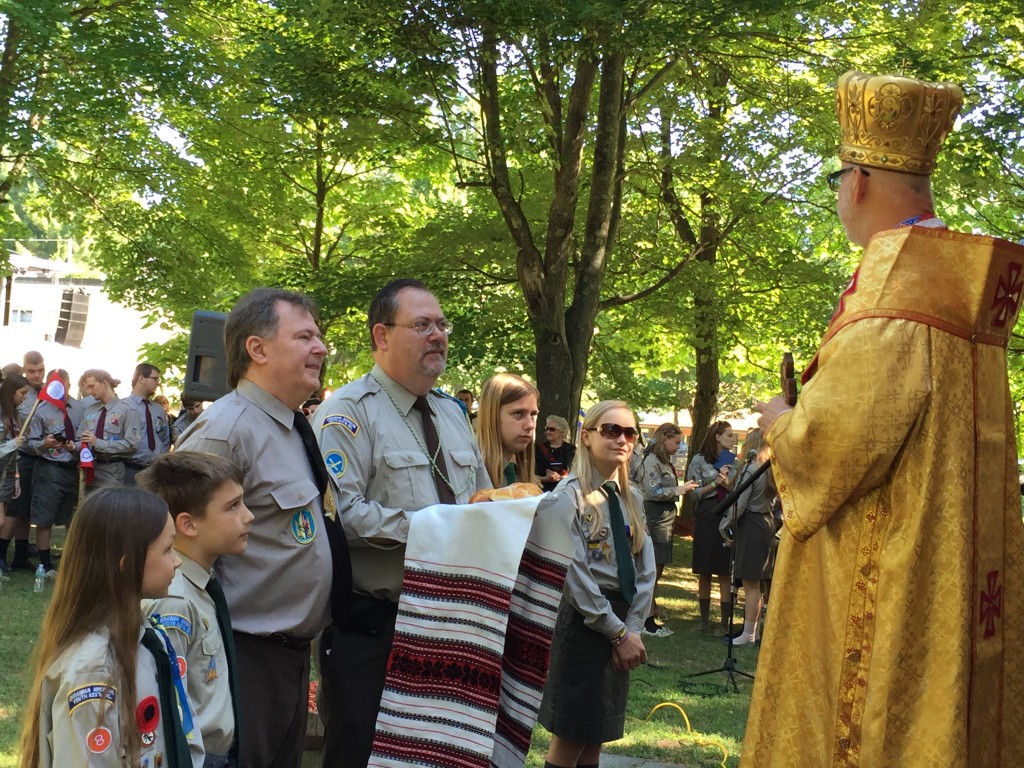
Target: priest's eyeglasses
[615, 431]
[426, 327]
[834, 177]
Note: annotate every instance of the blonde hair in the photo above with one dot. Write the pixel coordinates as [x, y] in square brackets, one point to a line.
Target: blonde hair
[591, 481]
[756, 442]
[99, 584]
[502, 389]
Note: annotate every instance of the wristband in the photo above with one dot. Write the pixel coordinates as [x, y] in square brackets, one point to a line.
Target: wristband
[617, 640]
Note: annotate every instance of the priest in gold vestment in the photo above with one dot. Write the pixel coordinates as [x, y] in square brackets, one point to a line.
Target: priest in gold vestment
[894, 636]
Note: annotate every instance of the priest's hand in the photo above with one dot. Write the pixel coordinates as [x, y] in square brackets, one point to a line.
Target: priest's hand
[770, 411]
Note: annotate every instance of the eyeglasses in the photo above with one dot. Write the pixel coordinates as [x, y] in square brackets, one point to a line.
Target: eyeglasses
[834, 177]
[614, 432]
[426, 327]
[552, 429]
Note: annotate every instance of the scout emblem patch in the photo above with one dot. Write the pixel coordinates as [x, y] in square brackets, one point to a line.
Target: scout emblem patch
[211, 671]
[93, 692]
[98, 740]
[178, 622]
[303, 526]
[340, 420]
[147, 714]
[337, 462]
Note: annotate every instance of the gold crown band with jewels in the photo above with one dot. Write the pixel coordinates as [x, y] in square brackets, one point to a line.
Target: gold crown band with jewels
[894, 123]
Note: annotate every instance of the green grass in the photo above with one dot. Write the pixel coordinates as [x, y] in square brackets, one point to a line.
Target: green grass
[717, 719]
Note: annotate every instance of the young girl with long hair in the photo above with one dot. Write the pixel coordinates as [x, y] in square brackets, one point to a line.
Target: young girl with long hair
[105, 692]
[13, 390]
[661, 490]
[710, 558]
[608, 589]
[753, 531]
[506, 428]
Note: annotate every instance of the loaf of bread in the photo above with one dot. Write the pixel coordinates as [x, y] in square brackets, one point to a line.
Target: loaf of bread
[514, 491]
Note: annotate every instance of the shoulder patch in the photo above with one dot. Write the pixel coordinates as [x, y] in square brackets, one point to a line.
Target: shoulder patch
[178, 622]
[92, 692]
[341, 420]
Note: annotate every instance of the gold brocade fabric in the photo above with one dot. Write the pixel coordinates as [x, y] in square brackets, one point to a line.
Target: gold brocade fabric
[894, 633]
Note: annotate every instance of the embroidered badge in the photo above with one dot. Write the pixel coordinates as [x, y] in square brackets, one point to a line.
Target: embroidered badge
[303, 526]
[92, 692]
[182, 667]
[98, 740]
[339, 420]
[337, 462]
[147, 714]
[149, 739]
[991, 603]
[178, 622]
[158, 761]
[1008, 293]
[211, 671]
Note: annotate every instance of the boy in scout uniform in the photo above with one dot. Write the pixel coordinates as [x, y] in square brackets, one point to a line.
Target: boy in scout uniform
[204, 494]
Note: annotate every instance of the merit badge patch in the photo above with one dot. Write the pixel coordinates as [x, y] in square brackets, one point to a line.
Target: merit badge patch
[339, 420]
[211, 671]
[337, 462]
[92, 692]
[149, 739]
[182, 667]
[98, 740]
[303, 526]
[175, 621]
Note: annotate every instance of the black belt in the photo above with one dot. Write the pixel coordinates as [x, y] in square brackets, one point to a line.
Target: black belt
[291, 642]
[63, 464]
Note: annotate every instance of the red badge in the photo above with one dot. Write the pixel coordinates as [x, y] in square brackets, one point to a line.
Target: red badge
[99, 740]
[182, 667]
[147, 714]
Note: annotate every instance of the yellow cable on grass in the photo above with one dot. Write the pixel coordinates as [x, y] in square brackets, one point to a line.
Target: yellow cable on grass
[689, 729]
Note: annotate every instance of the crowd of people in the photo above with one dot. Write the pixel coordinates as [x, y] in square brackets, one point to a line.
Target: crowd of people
[186, 611]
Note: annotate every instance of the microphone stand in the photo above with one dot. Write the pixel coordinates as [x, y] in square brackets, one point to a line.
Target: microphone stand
[729, 665]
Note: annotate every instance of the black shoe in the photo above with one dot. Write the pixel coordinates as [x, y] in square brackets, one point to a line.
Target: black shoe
[23, 565]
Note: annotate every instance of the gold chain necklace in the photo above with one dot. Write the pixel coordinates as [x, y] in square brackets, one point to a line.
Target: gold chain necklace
[426, 451]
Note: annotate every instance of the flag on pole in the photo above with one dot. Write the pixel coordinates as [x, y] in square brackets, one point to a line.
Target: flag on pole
[53, 392]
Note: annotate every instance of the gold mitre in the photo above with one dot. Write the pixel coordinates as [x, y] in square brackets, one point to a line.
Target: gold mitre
[895, 123]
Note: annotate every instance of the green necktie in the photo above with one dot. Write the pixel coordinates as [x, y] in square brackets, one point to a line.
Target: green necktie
[623, 546]
[510, 473]
[214, 590]
[175, 744]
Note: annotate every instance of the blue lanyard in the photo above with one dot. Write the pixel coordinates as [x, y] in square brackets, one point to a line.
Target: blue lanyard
[179, 686]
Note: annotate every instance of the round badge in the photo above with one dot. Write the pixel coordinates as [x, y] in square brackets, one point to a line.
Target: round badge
[148, 739]
[147, 714]
[303, 526]
[336, 462]
[99, 740]
[182, 667]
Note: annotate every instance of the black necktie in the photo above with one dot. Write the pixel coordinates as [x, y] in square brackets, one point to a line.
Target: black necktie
[175, 743]
[510, 473]
[100, 423]
[149, 427]
[341, 584]
[439, 469]
[623, 546]
[215, 591]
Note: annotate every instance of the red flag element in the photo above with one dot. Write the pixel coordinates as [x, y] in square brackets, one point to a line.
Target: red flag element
[87, 463]
[53, 392]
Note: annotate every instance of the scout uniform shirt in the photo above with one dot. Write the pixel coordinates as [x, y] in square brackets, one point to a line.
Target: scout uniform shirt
[144, 455]
[189, 617]
[49, 420]
[594, 572]
[282, 584]
[79, 718]
[121, 431]
[372, 442]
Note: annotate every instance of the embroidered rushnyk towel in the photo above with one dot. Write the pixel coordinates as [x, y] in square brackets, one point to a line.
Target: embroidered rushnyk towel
[479, 597]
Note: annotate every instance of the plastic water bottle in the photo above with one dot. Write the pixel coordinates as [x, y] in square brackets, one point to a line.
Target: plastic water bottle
[40, 578]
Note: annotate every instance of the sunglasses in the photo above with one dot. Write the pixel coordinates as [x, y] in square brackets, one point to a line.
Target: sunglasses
[614, 432]
[552, 429]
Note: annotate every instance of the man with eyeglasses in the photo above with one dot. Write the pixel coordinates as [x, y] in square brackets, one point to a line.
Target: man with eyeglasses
[155, 439]
[392, 445]
[894, 634]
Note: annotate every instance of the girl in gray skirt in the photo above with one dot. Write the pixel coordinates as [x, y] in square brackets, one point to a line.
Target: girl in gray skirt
[608, 590]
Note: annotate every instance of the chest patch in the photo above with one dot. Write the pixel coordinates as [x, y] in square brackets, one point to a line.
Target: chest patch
[303, 526]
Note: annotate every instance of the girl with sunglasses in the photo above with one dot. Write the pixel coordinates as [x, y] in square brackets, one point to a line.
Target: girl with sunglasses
[608, 590]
